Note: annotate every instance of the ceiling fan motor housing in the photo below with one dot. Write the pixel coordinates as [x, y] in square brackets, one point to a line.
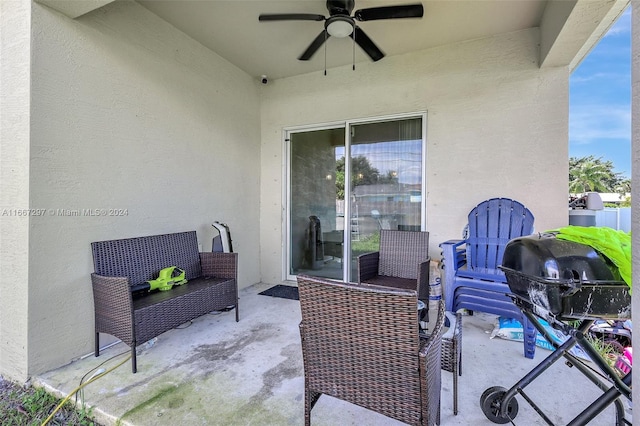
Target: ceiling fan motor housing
[340, 7]
[339, 26]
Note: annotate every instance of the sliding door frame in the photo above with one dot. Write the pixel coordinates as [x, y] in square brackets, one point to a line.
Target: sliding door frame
[286, 180]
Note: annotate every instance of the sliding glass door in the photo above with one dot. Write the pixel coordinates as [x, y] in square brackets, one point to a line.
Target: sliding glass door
[342, 190]
[316, 212]
[386, 182]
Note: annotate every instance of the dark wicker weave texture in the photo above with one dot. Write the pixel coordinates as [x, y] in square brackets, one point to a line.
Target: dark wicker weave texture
[401, 252]
[402, 262]
[361, 344]
[140, 259]
[452, 356]
[212, 286]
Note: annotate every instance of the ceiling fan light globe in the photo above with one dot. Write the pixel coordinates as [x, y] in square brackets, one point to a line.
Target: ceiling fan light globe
[340, 28]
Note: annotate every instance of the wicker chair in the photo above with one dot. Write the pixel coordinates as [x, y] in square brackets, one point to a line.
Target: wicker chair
[361, 344]
[401, 262]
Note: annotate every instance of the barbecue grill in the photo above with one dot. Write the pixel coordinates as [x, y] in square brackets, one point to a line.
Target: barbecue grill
[564, 283]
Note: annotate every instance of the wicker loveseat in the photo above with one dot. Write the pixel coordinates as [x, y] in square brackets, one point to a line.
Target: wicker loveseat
[122, 266]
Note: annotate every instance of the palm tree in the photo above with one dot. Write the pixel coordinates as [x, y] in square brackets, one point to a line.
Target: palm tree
[623, 187]
[590, 174]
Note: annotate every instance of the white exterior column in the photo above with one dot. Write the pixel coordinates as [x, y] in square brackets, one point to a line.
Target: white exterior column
[15, 65]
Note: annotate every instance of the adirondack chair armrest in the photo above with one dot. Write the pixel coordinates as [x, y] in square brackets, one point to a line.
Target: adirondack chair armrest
[454, 254]
[453, 258]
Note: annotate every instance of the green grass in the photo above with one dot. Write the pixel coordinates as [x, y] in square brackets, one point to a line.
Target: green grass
[366, 245]
[29, 406]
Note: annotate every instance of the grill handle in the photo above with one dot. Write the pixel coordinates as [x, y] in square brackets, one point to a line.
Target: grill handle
[572, 284]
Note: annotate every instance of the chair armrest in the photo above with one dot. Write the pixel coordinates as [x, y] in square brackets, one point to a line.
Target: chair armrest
[219, 265]
[455, 325]
[435, 338]
[455, 243]
[430, 368]
[453, 257]
[454, 248]
[423, 281]
[368, 265]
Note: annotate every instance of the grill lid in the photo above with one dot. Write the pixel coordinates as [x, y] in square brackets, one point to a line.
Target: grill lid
[546, 257]
[560, 279]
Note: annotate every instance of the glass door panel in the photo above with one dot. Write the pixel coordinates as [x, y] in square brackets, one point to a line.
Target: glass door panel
[316, 204]
[378, 170]
[385, 182]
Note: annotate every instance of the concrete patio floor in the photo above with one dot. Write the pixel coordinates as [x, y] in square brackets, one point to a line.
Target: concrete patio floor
[219, 372]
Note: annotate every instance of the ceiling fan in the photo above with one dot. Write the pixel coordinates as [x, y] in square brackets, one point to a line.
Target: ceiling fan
[341, 24]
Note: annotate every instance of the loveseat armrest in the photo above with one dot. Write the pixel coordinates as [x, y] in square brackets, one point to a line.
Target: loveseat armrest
[368, 265]
[219, 265]
[113, 307]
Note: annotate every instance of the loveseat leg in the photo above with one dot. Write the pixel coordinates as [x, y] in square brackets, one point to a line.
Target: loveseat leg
[237, 312]
[97, 350]
[134, 364]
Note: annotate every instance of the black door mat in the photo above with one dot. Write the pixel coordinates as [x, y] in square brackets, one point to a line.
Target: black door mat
[283, 291]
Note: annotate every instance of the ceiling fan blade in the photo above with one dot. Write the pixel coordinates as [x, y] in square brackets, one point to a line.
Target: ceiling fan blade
[390, 12]
[314, 46]
[367, 44]
[290, 17]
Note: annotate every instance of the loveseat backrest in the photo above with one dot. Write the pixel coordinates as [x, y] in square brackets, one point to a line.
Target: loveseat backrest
[141, 259]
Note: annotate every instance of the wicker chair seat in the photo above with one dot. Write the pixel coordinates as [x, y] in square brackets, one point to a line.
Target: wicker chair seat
[402, 261]
[395, 282]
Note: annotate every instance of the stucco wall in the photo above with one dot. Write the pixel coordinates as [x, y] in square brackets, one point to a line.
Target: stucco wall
[15, 26]
[497, 126]
[129, 113]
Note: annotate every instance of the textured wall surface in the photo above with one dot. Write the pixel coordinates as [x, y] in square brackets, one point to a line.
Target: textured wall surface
[136, 130]
[15, 24]
[497, 126]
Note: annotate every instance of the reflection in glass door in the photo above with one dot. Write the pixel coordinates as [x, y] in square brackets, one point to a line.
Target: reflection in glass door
[316, 213]
[383, 191]
[386, 181]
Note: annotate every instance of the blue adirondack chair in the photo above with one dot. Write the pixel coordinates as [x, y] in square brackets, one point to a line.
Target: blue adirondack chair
[471, 278]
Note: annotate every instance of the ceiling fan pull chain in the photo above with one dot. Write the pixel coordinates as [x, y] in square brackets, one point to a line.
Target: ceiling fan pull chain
[353, 36]
[325, 53]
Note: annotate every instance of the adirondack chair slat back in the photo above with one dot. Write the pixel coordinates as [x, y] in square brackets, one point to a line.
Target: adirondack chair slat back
[491, 225]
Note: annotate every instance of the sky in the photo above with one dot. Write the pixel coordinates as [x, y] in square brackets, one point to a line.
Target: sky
[600, 100]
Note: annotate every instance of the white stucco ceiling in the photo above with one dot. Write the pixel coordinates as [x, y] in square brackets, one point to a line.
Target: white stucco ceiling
[231, 28]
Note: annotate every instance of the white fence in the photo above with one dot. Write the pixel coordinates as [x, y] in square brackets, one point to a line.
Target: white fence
[616, 218]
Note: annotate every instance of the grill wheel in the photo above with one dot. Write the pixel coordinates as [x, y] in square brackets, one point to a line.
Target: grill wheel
[491, 401]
